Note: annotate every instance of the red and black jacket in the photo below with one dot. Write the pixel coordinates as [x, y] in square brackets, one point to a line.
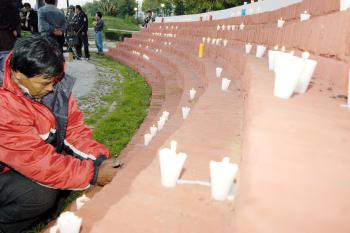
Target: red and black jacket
[46, 142]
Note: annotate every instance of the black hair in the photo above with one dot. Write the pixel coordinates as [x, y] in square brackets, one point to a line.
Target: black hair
[72, 7]
[52, 2]
[27, 5]
[37, 55]
[78, 7]
[99, 14]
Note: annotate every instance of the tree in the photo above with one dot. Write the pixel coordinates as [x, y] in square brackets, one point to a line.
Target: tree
[194, 6]
[126, 7]
[155, 6]
[179, 7]
[107, 7]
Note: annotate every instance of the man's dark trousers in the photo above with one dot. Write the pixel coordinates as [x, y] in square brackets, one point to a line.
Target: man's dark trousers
[83, 40]
[23, 202]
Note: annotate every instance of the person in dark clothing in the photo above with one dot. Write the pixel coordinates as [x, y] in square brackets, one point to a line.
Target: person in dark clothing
[148, 19]
[52, 22]
[9, 21]
[30, 19]
[98, 28]
[81, 27]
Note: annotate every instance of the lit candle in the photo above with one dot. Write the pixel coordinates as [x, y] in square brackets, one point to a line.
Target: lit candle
[225, 83]
[170, 166]
[233, 27]
[304, 16]
[222, 175]
[145, 57]
[248, 48]
[192, 93]
[153, 130]
[307, 71]
[283, 48]
[260, 51]
[208, 40]
[173, 146]
[203, 39]
[218, 72]
[280, 23]
[225, 43]
[242, 26]
[166, 115]
[218, 28]
[69, 223]
[185, 112]
[80, 201]
[223, 27]
[147, 139]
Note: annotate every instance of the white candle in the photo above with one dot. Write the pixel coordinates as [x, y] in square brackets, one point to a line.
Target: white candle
[169, 43]
[223, 27]
[145, 57]
[280, 23]
[225, 83]
[225, 43]
[147, 139]
[160, 124]
[173, 147]
[233, 27]
[166, 115]
[218, 72]
[80, 201]
[242, 26]
[170, 166]
[222, 175]
[140, 45]
[306, 73]
[192, 93]
[304, 16]
[208, 40]
[213, 41]
[218, 28]
[153, 130]
[248, 48]
[203, 39]
[185, 112]
[283, 48]
[260, 51]
[69, 223]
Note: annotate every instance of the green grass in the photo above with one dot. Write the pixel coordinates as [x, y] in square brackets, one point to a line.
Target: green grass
[127, 23]
[116, 128]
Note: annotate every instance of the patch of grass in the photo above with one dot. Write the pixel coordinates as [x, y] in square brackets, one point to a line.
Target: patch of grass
[116, 128]
[126, 23]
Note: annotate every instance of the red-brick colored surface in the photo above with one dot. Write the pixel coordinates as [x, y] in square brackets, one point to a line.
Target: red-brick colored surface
[293, 154]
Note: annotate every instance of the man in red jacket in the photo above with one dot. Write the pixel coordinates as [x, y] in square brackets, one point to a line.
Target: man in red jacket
[45, 148]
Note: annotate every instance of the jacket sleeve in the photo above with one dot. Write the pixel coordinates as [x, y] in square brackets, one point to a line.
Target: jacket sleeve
[22, 149]
[79, 137]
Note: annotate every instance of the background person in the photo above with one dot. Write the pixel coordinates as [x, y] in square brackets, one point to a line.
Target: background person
[30, 19]
[98, 28]
[52, 22]
[81, 27]
[9, 21]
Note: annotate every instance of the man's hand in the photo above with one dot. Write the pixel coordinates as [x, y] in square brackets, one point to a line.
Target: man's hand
[107, 171]
[14, 32]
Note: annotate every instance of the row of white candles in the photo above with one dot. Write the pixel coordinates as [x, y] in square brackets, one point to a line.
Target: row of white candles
[153, 129]
[68, 222]
[230, 27]
[169, 27]
[215, 41]
[222, 174]
[225, 82]
[292, 74]
[260, 50]
[167, 43]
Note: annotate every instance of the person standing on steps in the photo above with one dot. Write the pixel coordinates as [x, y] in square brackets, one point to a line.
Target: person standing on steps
[98, 28]
[81, 27]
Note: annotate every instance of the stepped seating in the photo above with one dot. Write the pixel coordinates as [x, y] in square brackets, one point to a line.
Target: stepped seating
[293, 154]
